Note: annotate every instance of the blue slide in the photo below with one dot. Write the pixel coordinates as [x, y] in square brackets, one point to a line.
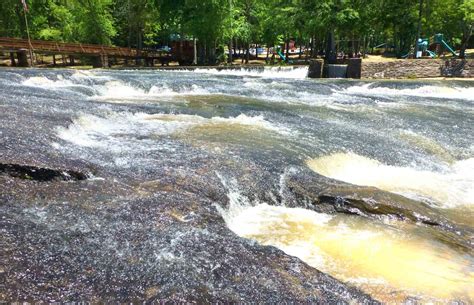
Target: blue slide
[447, 46]
[283, 57]
[432, 54]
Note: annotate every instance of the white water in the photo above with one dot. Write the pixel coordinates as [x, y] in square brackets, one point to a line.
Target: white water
[117, 90]
[423, 91]
[192, 120]
[44, 82]
[94, 131]
[387, 262]
[272, 72]
[253, 83]
[449, 189]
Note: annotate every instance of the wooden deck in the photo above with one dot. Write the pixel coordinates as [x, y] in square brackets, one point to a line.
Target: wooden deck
[8, 44]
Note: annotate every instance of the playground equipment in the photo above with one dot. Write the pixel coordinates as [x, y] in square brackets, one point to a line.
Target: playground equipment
[423, 47]
[282, 56]
[439, 40]
[432, 50]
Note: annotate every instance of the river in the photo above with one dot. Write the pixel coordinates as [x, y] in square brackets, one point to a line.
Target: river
[235, 185]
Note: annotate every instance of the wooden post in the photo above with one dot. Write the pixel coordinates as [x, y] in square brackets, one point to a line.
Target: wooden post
[315, 69]
[354, 68]
[105, 61]
[97, 61]
[12, 58]
[22, 58]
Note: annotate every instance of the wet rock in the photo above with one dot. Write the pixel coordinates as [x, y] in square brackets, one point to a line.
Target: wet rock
[40, 174]
[130, 238]
[160, 248]
[321, 194]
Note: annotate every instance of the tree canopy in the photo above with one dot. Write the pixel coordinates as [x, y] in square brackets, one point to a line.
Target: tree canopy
[354, 24]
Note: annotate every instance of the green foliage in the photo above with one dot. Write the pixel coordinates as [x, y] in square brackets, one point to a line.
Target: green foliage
[93, 21]
[11, 19]
[356, 24]
[467, 9]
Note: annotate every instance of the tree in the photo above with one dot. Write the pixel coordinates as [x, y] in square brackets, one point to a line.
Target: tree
[467, 24]
[348, 24]
[93, 21]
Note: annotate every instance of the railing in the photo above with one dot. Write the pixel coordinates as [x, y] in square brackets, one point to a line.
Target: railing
[54, 47]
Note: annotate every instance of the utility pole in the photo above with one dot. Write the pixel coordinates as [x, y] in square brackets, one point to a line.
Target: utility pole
[418, 31]
[25, 10]
[230, 60]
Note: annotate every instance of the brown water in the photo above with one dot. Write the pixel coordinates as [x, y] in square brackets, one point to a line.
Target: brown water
[390, 262]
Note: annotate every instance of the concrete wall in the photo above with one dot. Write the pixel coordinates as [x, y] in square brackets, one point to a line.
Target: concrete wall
[418, 68]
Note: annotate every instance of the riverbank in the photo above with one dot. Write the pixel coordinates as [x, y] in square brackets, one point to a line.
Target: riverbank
[439, 69]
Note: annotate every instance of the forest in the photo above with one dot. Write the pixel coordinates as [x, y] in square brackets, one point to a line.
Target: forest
[218, 25]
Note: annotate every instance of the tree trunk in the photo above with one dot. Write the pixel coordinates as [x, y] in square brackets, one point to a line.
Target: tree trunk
[212, 53]
[364, 46]
[202, 53]
[129, 42]
[195, 56]
[306, 46]
[247, 55]
[235, 46]
[139, 53]
[465, 41]
[330, 55]
[418, 30]
[230, 59]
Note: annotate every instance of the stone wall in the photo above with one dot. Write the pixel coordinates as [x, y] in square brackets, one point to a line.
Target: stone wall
[418, 68]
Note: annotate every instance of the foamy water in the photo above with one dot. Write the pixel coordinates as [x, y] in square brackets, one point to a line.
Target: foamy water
[92, 131]
[423, 91]
[452, 188]
[388, 263]
[117, 90]
[449, 188]
[273, 72]
[44, 82]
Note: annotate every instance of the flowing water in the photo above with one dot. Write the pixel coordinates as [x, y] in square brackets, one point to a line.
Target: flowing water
[250, 132]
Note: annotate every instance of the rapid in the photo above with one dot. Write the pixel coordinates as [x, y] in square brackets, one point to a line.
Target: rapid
[235, 185]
